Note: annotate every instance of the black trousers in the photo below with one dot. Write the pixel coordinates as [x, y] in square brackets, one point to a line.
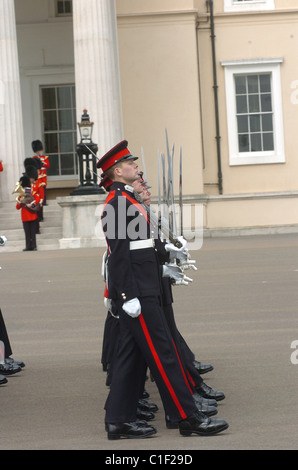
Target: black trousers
[147, 341]
[4, 337]
[30, 229]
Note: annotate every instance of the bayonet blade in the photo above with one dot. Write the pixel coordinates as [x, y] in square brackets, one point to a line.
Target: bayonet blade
[180, 193]
[159, 190]
[164, 189]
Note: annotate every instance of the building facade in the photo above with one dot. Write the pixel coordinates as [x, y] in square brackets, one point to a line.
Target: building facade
[221, 77]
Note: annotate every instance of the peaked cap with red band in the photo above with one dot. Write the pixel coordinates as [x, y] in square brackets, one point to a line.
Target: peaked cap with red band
[117, 154]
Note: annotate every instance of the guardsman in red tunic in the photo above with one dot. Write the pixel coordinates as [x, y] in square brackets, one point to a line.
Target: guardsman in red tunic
[134, 285]
[37, 148]
[37, 187]
[28, 203]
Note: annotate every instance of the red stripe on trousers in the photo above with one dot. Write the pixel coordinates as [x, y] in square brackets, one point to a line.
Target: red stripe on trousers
[191, 379]
[160, 367]
[182, 370]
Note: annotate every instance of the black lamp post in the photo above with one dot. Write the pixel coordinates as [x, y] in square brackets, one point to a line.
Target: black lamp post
[86, 151]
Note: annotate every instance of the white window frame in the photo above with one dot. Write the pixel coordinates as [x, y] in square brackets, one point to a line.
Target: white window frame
[60, 154]
[249, 66]
[38, 77]
[250, 5]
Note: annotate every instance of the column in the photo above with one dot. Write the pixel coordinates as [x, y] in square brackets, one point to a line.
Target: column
[11, 129]
[97, 69]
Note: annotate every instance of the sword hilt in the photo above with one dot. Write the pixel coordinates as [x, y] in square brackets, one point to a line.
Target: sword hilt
[175, 242]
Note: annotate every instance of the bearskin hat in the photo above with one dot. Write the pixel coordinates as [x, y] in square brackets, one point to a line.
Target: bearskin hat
[25, 181]
[36, 145]
[31, 172]
[33, 162]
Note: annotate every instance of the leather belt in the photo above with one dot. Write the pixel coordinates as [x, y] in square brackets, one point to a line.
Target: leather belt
[139, 244]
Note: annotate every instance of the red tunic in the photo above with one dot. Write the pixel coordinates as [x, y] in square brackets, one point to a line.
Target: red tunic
[26, 215]
[38, 188]
[42, 173]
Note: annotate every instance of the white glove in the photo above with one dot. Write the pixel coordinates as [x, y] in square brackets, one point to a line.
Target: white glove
[172, 247]
[188, 264]
[173, 271]
[183, 282]
[179, 255]
[107, 303]
[132, 307]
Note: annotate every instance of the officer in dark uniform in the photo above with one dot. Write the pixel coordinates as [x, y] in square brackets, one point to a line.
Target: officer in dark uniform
[134, 285]
[145, 410]
[206, 398]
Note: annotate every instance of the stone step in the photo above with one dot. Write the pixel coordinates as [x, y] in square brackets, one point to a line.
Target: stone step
[10, 218]
[54, 221]
[18, 234]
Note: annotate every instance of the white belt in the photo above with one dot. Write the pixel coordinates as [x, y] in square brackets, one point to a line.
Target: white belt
[139, 244]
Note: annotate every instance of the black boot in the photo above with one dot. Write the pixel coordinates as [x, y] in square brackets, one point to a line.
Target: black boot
[129, 431]
[208, 392]
[145, 405]
[9, 369]
[202, 368]
[200, 424]
[144, 414]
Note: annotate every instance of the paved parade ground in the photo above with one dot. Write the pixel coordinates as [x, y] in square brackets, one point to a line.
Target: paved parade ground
[240, 314]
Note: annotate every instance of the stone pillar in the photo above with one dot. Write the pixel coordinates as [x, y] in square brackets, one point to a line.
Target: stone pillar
[11, 128]
[97, 69]
[81, 227]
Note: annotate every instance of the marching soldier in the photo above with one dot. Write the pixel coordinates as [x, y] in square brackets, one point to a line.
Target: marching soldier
[134, 284]
[201, 391]
[206, 399]
[145, 410]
